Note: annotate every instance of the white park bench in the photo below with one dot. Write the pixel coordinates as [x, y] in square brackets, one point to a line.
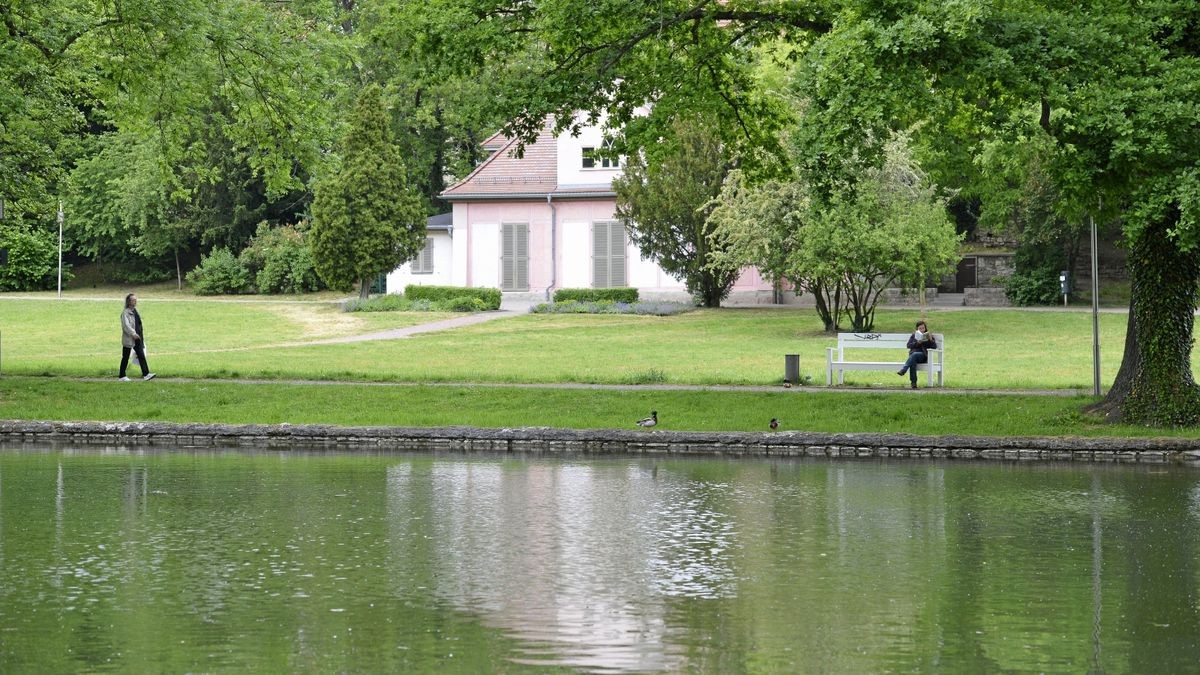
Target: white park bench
[896, 343]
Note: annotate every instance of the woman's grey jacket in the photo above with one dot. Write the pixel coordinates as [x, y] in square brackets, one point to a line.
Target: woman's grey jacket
[128, 327]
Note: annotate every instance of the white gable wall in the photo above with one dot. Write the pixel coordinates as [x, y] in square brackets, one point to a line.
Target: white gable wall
[485, 255]
[442, 275]
[575, 269]
[570, 159]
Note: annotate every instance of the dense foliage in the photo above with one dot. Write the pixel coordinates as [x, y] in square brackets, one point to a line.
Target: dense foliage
[846, 246]
[171, 127]
[32, 260]
[366, 218]
[595, 294]
[490, 297]
[219, 273]
[664, 198]
[279, 261]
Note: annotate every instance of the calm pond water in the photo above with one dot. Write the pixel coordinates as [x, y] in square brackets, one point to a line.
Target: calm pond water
[233, 561]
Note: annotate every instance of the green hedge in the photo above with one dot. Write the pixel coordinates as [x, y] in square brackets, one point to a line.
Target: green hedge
[596, 295]
[490, 297]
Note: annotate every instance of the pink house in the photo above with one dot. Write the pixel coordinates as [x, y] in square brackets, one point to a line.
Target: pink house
[544, 221]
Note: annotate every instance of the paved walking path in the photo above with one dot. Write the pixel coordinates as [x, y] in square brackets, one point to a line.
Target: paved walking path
[809, 389]
[408, 331]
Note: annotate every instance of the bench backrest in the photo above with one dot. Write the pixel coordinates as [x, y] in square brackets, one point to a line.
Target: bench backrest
[879, 341]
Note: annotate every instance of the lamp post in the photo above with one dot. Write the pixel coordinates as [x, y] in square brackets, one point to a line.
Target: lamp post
[60, 229]
[3, 262]
[1095, 312]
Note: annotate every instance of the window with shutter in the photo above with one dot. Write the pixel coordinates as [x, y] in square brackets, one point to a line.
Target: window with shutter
[423, 263]
[608, 254]
[514, 257]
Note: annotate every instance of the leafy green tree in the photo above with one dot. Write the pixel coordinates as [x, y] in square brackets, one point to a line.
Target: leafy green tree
[32, 259]
[279, 260]
[617, 56]
[664, 197]
[219, 273]
[440, 113]
[892, 229]
[1106, 81]
[232, 96]
[367, 219]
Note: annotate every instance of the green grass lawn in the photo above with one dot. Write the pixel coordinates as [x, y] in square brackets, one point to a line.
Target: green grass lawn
[985, 349]
[208, 339]
[355, 404]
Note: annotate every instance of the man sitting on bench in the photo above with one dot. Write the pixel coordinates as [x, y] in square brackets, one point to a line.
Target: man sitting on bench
[918, 342]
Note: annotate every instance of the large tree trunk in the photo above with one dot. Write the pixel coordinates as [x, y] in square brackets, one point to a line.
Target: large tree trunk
[1154, 385]
[364, 287]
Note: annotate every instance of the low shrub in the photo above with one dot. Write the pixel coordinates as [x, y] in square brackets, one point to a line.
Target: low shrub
[624, 294]
[608, 307]
[489, 296]
[1041, 287]
[399, 303]
[463, 303]
[219, 273]
[378, 303]
[280, 261]
[32, 260]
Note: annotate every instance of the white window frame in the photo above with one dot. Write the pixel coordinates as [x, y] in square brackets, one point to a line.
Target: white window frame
[591, 158]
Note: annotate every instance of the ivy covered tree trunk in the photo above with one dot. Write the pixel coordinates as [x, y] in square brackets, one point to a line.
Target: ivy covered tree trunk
[1154, 385]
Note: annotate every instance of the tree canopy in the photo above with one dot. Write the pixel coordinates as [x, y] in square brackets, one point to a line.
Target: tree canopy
[175, 126]
[664, 198]
[1113, 86]
[846, 248]
[367, 220]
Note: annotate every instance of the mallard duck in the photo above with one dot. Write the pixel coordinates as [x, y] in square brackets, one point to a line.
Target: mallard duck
[649, 421]
[774, 423]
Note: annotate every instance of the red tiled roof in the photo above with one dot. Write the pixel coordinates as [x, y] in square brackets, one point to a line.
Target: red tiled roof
[503, 173]
[495, 140]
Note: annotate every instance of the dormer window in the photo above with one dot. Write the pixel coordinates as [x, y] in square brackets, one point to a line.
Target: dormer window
[602, 158]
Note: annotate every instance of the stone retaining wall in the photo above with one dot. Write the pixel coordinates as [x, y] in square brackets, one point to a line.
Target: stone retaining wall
[285, 437]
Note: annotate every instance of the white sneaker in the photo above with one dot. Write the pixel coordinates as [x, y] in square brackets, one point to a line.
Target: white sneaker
[126, 379]
[148, 376]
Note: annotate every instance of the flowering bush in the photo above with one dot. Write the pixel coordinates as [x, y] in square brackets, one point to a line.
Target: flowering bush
[608, 307]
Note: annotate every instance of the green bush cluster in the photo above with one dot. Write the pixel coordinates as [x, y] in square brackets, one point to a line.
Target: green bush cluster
[610, 307]
[280, 261]
[621, 294]
[399, 303]
[277, 260]
[489, 297]
[1039, 287]
[219, 273]
[1035, 281]
[32, 260]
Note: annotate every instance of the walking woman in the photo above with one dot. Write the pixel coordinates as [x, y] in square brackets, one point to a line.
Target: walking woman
[132, 337]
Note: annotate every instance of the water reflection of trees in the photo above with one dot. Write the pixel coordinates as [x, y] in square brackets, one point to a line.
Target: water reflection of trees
[625, 564]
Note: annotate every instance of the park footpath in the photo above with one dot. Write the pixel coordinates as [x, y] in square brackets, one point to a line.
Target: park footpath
[543, 441]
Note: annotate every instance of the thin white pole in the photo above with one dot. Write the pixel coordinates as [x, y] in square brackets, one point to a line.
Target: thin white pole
[60, 229]
[1095, 312]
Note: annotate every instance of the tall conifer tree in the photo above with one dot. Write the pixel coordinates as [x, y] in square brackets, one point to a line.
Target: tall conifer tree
[367, 219]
